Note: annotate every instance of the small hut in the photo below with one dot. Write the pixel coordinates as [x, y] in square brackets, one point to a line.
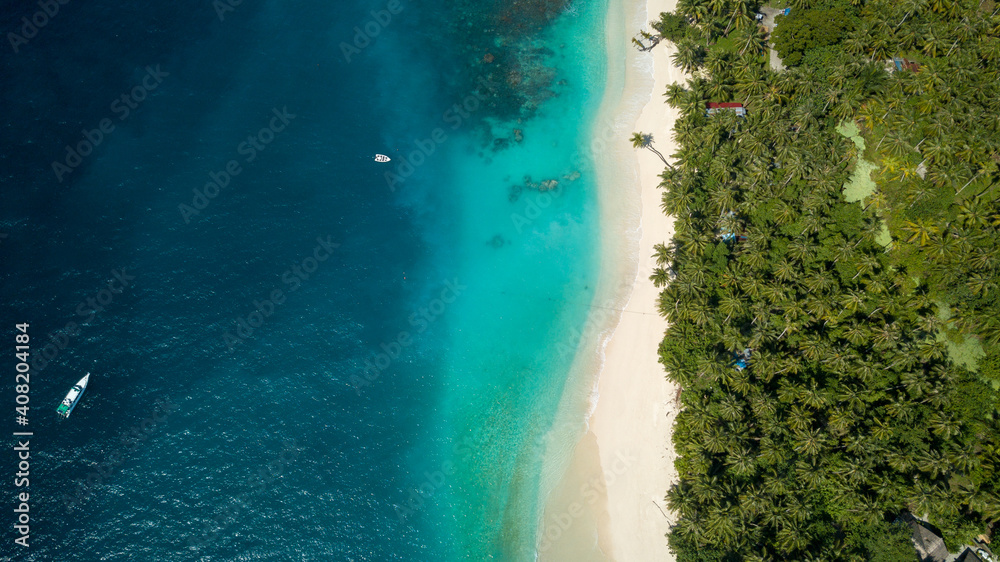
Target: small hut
[737, 107]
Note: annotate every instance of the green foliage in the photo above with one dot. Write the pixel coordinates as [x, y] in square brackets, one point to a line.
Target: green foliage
[938, 178]
[672, 27]
[689, 56]
[965, 351]
[989, 368]
[823, 59]
[724, 44]
[861, 185]
[851, 410]
[804, 30]
[884, 542]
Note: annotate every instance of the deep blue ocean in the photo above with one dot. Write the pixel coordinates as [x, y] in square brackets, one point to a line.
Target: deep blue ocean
[296, 353]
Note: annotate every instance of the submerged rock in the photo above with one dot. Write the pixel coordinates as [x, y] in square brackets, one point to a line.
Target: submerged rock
[544, 185]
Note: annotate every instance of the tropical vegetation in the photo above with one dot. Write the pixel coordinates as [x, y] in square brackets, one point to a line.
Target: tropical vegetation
[645, 140]
[812, 28]
[854, 406]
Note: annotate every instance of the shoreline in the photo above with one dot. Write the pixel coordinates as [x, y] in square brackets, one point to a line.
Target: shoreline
[608, 502]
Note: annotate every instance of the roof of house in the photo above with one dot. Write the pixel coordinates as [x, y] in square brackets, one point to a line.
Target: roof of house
[906, 64]
[969, 555]
[930, 547]
[736, 108]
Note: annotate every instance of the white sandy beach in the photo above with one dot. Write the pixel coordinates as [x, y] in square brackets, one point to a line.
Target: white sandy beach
[609, 504]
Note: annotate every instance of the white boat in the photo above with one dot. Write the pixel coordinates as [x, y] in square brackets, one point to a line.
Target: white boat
[72, 397]
[382, 158]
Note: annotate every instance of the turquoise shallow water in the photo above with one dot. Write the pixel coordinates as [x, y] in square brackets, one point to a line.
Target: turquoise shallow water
[392, 405]
[522, 246]
[529, 258]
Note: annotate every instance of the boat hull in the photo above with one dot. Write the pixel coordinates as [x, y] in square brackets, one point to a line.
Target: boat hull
[73, 397]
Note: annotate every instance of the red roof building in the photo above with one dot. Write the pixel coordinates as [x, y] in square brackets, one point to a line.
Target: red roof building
[737, 107]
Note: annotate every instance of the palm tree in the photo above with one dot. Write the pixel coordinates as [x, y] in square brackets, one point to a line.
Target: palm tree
[718, 7]
[920, 231]
[689, 55]
[848, 106]
[675, 202]
[793, 538]
[934, 40]
[857, 42]
[944, 425]
[740, 17]
[933, 462]
[731, 305]
[720, 89]
[754, 85]
[980, 284]
[675, 93]
[911, 7]
[989, 505]
[645, 140]
[719, 64]
[694, 9]
[756, 42]
[662, 254]
[681, 500]
[785, 272]
[660, 277]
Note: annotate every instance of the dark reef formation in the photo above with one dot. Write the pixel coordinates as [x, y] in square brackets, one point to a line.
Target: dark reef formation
[552, 184]
[503, 46]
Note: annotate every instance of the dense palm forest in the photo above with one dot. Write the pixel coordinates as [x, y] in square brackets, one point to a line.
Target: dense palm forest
[822, 391]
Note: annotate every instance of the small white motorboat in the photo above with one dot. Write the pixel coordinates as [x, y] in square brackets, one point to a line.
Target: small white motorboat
[73, 397]
[382, 158]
